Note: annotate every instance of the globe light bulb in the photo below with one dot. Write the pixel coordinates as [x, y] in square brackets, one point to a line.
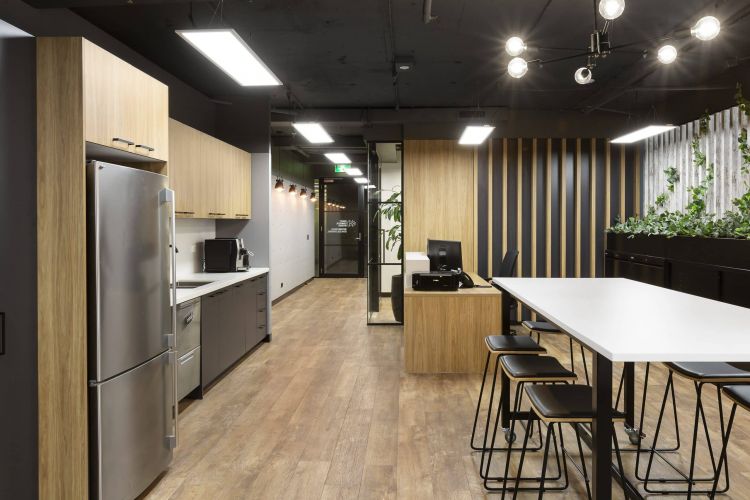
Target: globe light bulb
[611, 9]
[667, 54]
[583, 76]
[517, 67]
[514, 46]
[707, 28]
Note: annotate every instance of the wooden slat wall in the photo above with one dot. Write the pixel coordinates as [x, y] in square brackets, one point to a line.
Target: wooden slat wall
[551, 199]
[439, 195]
[61, 267]
[672, 149]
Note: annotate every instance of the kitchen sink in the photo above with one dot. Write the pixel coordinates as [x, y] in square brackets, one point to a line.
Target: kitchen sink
[191, 284]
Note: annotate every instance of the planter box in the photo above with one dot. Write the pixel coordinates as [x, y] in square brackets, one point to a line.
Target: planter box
[715, 268]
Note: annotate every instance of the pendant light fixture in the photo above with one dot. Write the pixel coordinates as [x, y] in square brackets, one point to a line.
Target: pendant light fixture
[583, 76]
[514, 46]
[517, 67]
[293, 189]
[313, 196]
[707, 28]
[279, 186]
[611, 9]
[303, 193]
[667, 54]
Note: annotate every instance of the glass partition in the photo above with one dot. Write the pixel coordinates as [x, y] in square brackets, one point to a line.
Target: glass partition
[384, 226]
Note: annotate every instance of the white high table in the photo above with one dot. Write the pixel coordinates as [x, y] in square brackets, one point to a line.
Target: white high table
[621, 320]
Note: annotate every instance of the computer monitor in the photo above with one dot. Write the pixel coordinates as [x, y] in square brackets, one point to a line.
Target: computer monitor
[444, 255]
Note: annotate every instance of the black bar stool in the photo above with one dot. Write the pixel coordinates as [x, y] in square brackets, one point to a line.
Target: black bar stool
[499, 345]
[739, 395]
[545, 327]
[522, 370]
[700, 374]
[560, 404]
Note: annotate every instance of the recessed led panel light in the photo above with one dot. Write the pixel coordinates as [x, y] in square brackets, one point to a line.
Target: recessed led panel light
[362, 180]
[313, 132]
[338, 158]
[475, 134]
[643, 133]
[228, 51]
[354, 172]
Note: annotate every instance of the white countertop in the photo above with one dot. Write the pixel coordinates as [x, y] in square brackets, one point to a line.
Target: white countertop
[214, 281]
[627, 320]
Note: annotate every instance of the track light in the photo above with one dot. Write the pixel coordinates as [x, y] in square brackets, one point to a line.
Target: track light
[707, 28]
[303, 193]
[293, 189]
[667, 54]
[611, 9]
[313, 197]
[514, 46]
[517, 67]
[279, 184]
[583, 76]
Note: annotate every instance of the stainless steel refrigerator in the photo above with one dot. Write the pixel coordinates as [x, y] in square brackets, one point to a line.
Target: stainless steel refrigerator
[132, 362]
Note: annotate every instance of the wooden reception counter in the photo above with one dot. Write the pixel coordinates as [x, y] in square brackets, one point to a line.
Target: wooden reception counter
[444, 331]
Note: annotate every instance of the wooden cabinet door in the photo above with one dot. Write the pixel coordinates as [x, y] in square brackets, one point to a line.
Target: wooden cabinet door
[211, 330]
[124, 108]
[241, 184]
[185, 170]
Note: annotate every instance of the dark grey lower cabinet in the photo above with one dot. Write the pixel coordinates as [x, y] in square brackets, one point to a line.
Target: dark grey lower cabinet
[233, 321]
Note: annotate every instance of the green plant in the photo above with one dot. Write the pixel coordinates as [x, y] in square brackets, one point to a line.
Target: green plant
[391, 210]
[673, 177]
[742, 145]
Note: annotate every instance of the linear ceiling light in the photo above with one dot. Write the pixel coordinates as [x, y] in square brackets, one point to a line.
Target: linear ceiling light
[643, 133]
[228, 51]
[475, 134]
[338, 158]
[361, 180]
[313, 132]
[354, 172]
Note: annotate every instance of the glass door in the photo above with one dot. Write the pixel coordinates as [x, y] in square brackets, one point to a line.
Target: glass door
[385, 284]
[342, 240]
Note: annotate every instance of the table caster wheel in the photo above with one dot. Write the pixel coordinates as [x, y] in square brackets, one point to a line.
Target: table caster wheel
[510, 437]
[634, 435]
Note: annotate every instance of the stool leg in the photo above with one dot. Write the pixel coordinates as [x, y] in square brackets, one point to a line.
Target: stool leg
[619, 458]
[656, 432]
[586, 480]
[550, 433]
[698, 389]
[572, 358]
[479, 403]
[520, 462]
[489, 415]
[516, 405]
[723, 455]
[585, 365]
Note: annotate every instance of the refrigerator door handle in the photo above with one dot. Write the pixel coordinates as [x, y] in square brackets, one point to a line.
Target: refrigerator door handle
[172, 437]
[167, 196]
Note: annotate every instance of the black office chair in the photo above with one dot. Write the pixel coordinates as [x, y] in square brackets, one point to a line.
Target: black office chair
[508, 270]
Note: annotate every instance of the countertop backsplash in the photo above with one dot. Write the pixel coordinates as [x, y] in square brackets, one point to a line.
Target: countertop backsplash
[190, 236]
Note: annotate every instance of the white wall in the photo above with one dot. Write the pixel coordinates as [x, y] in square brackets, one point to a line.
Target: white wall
[292, 242]
[190, 234]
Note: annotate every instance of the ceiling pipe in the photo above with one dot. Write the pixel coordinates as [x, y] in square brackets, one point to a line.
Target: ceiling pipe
[427, 16]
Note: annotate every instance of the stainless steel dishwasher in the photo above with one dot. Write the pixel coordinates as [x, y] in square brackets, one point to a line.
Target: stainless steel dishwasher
[188, 347]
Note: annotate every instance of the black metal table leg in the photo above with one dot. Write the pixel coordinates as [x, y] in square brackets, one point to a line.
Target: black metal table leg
[601, 445]
[629, 375]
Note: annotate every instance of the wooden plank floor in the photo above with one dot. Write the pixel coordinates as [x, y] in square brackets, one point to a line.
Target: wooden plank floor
[325, 411]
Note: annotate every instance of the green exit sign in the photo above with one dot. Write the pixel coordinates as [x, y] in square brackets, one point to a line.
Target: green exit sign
[342, 168]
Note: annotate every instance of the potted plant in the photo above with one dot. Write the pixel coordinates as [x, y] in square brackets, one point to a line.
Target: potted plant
[391, 211]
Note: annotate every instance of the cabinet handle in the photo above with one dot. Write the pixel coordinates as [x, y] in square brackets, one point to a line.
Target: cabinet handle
[216, 213]
[184, 212]
[241, 215]
[192, 356]
[261, 327]
[124, 141]
[147, 148]
[261, 293]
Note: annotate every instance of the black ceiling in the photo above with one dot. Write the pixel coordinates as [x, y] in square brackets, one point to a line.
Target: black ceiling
[339, 53]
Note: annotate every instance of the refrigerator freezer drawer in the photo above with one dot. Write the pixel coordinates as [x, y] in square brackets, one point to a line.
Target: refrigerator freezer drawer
[188, 373]
[132, 420]
[188, 326]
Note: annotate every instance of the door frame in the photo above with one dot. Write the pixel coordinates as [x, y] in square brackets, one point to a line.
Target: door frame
[361, 211]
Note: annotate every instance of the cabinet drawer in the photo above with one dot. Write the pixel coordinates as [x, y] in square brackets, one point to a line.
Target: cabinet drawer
[188, 372]
[188, 326]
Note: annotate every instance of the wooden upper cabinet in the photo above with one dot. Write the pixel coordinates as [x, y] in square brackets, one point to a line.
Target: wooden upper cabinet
[124, 108]
[211, 178]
